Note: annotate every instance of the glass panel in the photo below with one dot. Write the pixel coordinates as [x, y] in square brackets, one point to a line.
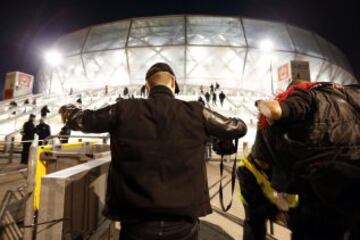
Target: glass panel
[42, 79]
[215, 31]
[305, 41]
[339, 57]
[257, 31]
[106, 68]
[327, 72]
[71, 44]
[140, 59]
[343, 77]
[348, 78]
[257, 72]
[70, 74]
[157, 31]
[109, 36]
[209, 65]
[325, 49]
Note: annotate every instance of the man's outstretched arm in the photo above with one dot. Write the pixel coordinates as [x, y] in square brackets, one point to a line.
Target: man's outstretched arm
[223, 127]
[295, 108]
[90, 121]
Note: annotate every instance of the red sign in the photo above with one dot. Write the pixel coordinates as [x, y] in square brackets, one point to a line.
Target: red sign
[24, 80]
[283, 72]
[8, 94]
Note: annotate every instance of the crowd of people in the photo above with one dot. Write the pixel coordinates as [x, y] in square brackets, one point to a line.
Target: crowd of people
[303, 169]
[28, 134]
[212, 95]
[42, 129]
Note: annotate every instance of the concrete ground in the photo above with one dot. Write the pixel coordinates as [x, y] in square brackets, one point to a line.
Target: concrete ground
[228, 226]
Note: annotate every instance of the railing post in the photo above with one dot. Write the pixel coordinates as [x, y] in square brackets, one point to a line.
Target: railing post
[245, 148]
[11, 150]
[6, 144]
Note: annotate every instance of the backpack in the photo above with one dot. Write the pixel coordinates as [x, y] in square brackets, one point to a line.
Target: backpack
[332, 173]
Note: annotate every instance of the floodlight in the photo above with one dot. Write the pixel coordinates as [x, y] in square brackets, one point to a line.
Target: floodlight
[53, 57]
[266, 45]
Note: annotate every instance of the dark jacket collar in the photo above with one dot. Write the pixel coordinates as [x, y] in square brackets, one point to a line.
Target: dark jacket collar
[161, 90]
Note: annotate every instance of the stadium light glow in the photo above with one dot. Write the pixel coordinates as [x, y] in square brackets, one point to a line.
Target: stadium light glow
[53, 57]
[266, 45]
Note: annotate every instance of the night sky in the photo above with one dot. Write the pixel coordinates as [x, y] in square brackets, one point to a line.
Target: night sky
[27, 28]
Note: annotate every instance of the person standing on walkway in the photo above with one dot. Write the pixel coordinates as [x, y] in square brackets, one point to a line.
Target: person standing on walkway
[222, 97]
[214, 98]
[157, 183]
[126, 92]
[207, 97]
[28, 133]
[142, 91]
[43, 130]
[314, 138]
[44, 111]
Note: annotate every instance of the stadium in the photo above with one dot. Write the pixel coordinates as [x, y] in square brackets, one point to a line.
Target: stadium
[237, 53]
[242, 55]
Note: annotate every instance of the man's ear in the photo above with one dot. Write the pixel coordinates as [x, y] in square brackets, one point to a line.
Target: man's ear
[147, 87]
[173, 80]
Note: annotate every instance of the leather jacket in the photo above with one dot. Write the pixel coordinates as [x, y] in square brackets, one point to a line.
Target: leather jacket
[157, 148]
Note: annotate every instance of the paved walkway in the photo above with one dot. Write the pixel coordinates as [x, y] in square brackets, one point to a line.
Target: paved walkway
[227, 226]
[12, 176]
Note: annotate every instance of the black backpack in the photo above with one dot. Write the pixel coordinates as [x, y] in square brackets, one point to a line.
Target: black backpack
[335, 179]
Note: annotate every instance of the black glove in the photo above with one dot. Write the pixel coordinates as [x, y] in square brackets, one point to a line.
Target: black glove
[65, 111]
[224, 147]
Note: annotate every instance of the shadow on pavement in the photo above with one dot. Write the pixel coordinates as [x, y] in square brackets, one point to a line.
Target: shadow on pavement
[210, 231]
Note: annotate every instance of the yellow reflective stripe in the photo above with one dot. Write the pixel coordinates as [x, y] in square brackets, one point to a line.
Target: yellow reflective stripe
[265, 184]
[293, 200]
[242, 199]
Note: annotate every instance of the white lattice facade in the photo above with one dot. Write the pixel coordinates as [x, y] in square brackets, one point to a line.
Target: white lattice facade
[201, 49]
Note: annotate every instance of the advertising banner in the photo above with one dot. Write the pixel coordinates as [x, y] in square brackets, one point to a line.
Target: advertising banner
[17, 84]
[293, 70]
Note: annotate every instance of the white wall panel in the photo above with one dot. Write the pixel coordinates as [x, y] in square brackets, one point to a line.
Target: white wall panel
[140, 60]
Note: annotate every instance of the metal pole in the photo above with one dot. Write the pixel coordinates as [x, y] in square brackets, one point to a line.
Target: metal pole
[11, 152]
[272, 80]
[29, 206]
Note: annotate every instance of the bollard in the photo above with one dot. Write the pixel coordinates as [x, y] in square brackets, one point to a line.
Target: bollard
[245, 148]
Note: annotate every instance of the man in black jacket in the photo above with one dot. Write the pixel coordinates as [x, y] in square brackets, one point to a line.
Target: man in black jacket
[44, 111]
[315, 146]
[157, 183]
[43, 130]
[28, 133]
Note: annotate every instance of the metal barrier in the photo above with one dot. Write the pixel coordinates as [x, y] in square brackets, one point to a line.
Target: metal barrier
[71, 202]
[11, 149]
[45, 160]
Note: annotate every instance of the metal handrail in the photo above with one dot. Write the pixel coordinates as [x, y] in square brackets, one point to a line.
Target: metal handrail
[30, 96]
[9, 146]
[52, 115]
